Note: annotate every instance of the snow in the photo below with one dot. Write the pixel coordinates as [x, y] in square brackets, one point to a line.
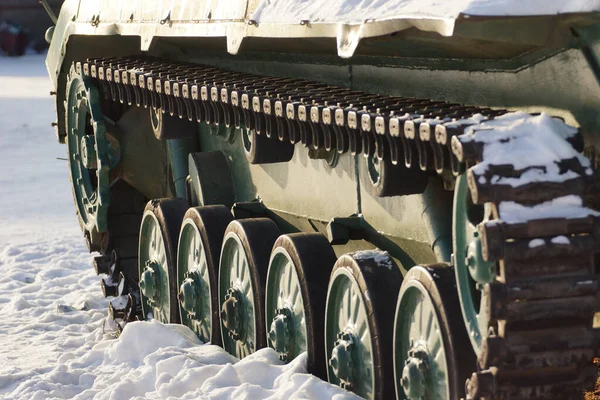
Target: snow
[556, 240]
[535, 147]
[535, 144]
[381, 258]
[536, 243]
[359, 11]
[561, 240]
[562, 207]
[55, 342]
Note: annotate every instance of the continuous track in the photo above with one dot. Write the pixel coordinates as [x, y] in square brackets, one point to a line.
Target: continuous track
[543, 298]
[320, 116]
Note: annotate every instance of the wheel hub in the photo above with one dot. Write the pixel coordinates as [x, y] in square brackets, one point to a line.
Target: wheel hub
[150, 282]
[341, 361]
[481, 271]
[88, 152]
[280, 334]
[232, 314]
[190, 293]
[415, 375]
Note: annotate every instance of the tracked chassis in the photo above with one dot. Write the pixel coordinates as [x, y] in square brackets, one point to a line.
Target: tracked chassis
[504, 272]
[539, 286]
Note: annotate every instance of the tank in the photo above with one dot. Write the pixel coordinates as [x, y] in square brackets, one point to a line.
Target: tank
[403, 189]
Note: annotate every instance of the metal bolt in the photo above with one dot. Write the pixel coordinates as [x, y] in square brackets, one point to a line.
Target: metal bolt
[280, 334]
[88, 152]
[415, 374]
[189, 295]
[232, 315]
[341, 361]
[149, 281]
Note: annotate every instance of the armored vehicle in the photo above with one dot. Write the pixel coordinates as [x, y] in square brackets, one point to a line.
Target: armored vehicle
[403, 189]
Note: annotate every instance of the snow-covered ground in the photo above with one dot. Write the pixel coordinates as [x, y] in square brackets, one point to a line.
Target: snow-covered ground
[53, 342]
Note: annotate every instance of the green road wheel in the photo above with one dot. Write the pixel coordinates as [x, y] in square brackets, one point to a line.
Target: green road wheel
[198, 251]
[362, 291]
[472, 272]
[296, 295]
[242, 276]
[432, 354]
[157, 260]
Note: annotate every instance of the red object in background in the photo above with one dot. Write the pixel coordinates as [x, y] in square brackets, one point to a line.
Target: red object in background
[13, 40]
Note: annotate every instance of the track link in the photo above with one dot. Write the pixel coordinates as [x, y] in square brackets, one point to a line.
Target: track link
[541, 342]
[543, 240]
[412, 132]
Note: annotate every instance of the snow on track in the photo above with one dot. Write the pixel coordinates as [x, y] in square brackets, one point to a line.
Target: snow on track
[53, 342]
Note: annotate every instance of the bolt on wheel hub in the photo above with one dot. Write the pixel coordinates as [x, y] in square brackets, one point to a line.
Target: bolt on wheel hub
[280, 334]
[190, 293]
[341, 361]
[232, 314]
[149, 281]
[88, 152]
[415, 375]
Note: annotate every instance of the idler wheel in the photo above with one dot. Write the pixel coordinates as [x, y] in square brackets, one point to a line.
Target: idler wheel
[472, 271]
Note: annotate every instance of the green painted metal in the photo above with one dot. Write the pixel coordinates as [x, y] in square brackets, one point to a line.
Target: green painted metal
[153, 270]
[236, 297]
[88, 154]
[148, 170]
[246, 135]
[343, 360]
[285, 318]
[391, 216]
[419, 350]
[349, 353]
[194, 282]
[481, 271]
[178, 150]
[468, 263]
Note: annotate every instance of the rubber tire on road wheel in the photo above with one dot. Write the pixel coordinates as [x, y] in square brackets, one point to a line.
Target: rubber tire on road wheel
[440, 283]
[382, 284]
[257, 236]
[313, 259]
[169, 213]
[211, 221]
